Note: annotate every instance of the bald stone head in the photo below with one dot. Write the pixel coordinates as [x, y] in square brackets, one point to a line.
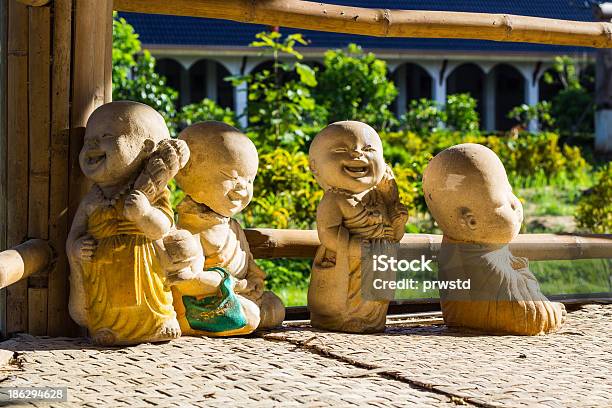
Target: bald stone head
[468, 194]
[221, 169]
[119, 137]
[347, 155]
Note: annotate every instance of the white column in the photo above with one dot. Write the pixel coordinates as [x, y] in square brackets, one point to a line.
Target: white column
[532, 91]
[439, 90]
[490, 108]
[400, 77]
[211, 80]
[240, 103]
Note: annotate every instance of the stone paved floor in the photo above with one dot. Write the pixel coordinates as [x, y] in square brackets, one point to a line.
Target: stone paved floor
[416, 362]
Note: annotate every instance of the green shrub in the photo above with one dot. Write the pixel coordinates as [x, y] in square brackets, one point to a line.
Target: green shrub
[286, 193]
[524, 114]
[594, 210]
[423, 116]
[461, 113]
[134, 76]
[281, 110]
[354, 86]
[204, 110]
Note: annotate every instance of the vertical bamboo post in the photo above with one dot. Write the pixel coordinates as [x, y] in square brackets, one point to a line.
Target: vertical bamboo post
[58, 71]
[17, 155]
[3, 140]
[58, 322]
[39, 74]
[89, 87]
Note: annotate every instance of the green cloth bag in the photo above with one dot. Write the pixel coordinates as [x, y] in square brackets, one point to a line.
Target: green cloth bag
[216, 314]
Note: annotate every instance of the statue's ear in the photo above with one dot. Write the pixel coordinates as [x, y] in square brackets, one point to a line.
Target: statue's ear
[313, 169]
[467, 218]
[149, 145]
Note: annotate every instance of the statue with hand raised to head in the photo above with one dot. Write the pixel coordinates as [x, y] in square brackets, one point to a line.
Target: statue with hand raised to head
[360, 206]
[218, 183]
[116, 243]
[468, 194]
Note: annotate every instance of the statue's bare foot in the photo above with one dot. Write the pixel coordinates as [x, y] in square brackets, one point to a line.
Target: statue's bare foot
[104, 337]
[272, 311]
[170, 330]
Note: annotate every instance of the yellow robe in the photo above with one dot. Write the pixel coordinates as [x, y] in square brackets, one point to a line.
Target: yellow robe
[124, 281]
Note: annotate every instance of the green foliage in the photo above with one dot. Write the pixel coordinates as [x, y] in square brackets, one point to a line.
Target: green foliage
[281, 110]
[574, 110]
[423, 116]
[524, 114]
[461, 113]
[573, 107]
[204, 110]
[286, 193]
[595, 207]
[134, 76]
[354, 86]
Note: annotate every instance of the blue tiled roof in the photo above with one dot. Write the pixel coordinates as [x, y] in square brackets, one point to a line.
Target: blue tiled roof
[191, 31]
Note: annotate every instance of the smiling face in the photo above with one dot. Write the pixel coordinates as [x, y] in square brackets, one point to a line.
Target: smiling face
[347, 155]
[118, 138]
[221, 169]
[467, 192]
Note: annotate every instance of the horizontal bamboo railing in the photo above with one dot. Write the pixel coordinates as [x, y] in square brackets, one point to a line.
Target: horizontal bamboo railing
[284, 243]
[31, 257]
[35, 255]
[383, 22]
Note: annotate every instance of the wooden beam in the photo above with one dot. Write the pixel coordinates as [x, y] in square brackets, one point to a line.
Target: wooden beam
[32, 257]
[39, 91]
[17, 156]
[58, 322]
[279, 243]
[34, 3]
[384, 22]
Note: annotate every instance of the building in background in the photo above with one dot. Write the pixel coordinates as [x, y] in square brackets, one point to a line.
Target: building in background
[196, 54]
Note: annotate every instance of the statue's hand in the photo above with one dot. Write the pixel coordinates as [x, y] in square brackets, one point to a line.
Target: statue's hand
[136, 206]
[84, 248]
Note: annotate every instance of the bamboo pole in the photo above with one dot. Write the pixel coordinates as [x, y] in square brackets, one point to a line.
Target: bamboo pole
[279, 243]
[34, 3]
[58, 322]
[39, 89]
[17, 156]
[384, 22]
[16, 264]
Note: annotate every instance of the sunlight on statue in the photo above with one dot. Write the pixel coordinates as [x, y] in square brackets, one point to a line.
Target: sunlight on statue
[218, 182]
[116, 243]
[468, 194]
[360, 206]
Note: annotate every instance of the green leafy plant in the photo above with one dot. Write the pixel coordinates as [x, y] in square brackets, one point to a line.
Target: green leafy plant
[204, 110]
[134, 76]
[573, 108]
[281, 110]
[423, 116]
[461, 113]
[286, 193]
[354, 86]
[594, 210]
[540, 112]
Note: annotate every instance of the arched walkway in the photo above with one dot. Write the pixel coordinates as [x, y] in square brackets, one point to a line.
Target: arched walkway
[469, 78]
[509, 93]
[206, 79]
[174, 73]
[412, 82]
